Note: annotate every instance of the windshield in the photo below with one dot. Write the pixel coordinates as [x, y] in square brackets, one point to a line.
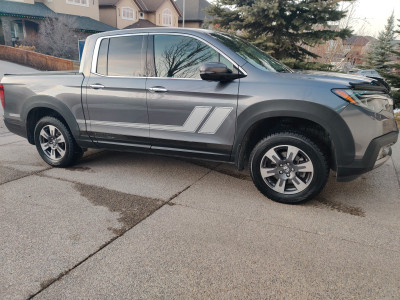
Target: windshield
[251, 54]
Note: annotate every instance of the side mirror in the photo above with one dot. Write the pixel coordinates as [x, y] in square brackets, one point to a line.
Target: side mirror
[214, 71]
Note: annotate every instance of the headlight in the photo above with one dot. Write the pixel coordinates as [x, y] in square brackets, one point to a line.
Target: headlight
[371, 100]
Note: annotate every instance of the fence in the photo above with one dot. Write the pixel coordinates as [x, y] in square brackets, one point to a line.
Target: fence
[35, 60]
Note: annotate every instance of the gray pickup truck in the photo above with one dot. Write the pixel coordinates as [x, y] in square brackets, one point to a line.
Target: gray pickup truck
[206, 95]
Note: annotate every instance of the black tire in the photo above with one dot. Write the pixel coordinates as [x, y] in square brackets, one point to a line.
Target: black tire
[309, 151]
[72, 151]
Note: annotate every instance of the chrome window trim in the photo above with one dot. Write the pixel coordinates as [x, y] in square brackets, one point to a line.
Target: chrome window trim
[98, 41]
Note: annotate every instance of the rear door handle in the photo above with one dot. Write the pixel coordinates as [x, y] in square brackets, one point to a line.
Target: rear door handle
[97, 86]
[158, 89]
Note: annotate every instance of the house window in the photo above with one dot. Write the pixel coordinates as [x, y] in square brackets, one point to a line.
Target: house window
[127, 13]
[78, 2]
[141, 15]
[17, 30]
[167, 17]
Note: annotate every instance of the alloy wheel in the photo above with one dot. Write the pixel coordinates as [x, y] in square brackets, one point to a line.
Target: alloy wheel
[52, 142]
[286, 169]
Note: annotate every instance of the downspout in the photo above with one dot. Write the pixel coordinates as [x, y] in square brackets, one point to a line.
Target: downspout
[183, 17]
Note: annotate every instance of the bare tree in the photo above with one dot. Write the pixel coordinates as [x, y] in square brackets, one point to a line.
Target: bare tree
[183, 59]
[57, 37]
[336, 52]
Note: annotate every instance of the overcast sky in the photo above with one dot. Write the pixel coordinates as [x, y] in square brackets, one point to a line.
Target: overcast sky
[371, 15]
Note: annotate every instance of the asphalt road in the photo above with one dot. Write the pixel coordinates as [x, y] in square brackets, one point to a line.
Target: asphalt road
[135, 226]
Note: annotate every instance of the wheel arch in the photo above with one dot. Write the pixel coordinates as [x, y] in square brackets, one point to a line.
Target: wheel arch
[268, 116]
[38, 107]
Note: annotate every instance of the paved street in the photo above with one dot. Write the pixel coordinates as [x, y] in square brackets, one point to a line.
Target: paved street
[135, 226]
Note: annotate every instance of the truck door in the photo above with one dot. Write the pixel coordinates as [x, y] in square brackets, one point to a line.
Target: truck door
[186, 113]
[115, 92]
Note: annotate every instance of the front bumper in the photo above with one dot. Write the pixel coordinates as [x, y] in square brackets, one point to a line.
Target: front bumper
[377, 153]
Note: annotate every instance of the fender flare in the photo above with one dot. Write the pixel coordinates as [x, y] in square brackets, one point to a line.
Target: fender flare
[340, 134]
[54, 104]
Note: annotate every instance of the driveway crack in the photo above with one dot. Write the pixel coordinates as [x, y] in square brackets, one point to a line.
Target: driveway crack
[396, 172]
[46, 284]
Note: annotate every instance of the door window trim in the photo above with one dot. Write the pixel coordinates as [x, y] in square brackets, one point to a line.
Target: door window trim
[201, 40]
[98, 42]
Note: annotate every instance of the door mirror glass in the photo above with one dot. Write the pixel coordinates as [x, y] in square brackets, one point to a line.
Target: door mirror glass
[215, 71]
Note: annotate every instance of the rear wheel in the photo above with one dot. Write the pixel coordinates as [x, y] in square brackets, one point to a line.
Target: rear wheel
[55, 143]
[288, 167]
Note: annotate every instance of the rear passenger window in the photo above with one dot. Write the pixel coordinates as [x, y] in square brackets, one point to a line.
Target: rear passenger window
[121, 56]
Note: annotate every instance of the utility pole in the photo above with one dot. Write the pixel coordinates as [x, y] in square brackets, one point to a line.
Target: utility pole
[183, 17]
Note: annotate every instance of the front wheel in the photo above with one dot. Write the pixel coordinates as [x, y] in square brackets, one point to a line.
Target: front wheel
[288, 167]
[55, 143]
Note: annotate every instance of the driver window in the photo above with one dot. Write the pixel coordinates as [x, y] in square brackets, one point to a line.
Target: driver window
[181, 56]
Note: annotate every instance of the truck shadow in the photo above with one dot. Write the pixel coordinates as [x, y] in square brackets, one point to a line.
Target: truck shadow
[348, 198]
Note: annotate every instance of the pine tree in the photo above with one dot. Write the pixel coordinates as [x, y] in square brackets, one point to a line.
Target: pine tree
[382, 51]
[380, 56]
[393, 78]
[282, 28]
[371, 56]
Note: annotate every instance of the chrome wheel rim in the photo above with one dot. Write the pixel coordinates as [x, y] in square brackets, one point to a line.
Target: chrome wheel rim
[286, 169]
[52, 142]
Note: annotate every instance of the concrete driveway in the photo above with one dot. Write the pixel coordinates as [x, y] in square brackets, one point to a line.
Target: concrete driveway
[135, 226]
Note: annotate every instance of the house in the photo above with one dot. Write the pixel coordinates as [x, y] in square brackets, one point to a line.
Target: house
[21, 19]
[139, 13]
[343, 54]
[356, 47]
[195, 13]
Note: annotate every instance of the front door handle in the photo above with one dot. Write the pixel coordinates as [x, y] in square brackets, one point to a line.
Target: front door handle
[158, 89]
[97, 86]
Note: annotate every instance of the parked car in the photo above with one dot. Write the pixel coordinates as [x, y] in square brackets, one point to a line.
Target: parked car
[368, 73]
[209, 95]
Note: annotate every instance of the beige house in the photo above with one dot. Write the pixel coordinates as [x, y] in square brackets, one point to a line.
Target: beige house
[85, 8]
[146, 13]
[21, 20]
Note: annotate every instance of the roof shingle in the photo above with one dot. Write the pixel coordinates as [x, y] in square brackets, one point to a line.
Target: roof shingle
[141, 24]
[40, 11]
[153, 5]
[107, 2]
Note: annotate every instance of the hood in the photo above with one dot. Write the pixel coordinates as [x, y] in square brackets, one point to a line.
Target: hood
[340, 80]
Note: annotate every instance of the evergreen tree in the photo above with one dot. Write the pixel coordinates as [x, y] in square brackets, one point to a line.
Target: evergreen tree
[382, 50]
[393, 78]
[371, 56]
[282, 28]
[380, 57]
